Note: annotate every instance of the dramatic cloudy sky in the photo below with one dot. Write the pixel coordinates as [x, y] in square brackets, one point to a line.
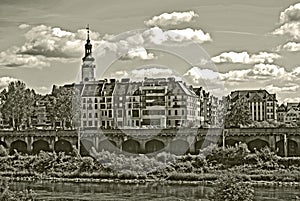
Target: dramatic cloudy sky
[223, 45]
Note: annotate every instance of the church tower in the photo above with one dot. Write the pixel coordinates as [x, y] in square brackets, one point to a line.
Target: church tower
[88, 66]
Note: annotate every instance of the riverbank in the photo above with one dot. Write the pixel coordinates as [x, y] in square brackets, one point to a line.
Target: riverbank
[269, 184]
[262, 168]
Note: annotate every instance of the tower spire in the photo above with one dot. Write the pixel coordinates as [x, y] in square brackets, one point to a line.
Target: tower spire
[88, 46]
[88, 33]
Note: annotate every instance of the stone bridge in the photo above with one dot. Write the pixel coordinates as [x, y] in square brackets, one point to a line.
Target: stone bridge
[179, 141]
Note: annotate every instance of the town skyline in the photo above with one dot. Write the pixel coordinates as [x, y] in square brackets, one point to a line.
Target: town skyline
[247, 53]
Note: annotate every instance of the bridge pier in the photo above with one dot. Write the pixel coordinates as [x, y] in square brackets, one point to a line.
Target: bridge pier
[29, 141]
[272, 142]
[285, 144]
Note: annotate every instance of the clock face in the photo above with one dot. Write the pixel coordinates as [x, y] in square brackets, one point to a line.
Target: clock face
[86, 79]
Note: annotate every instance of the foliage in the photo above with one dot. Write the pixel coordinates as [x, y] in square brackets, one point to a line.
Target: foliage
[8, 195]
[230, 156]
[231, 188]
[238, 115]
[17, 104]
[3, 151]
[64, 105]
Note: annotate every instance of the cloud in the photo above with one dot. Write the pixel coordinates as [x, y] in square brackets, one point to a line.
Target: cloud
[259, 71]
[245, 57]
[174, 18]
[11, 59]
[147, 71]
[275, 89]
[156, 35]
[54, 42]
[4, 82]
[289, 22]
[44, 44]
[289, 46]
[198, 73]
[291, 14]
[138, 53]
[24, 26]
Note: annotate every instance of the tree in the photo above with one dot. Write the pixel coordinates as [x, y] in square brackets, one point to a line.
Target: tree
[65, 105]
[238, 115]
[17, 104]
[232, 188]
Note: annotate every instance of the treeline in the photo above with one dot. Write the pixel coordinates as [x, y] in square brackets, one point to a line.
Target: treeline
[23, 108]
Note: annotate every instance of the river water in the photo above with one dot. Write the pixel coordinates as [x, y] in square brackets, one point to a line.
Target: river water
[67, 191]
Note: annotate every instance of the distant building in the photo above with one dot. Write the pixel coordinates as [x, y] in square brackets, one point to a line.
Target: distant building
[289, 114]
[262, 104]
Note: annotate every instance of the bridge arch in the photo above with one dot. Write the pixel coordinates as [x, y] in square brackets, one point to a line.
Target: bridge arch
[63, 146]
[107, 145]
[154, 146]
[3, 144]
[231, 142]
[131, 146]
[200, 144]
[178, 147]
[85, 147]
[18, 145]
[292, 148]
[257, 144]
[40, 145]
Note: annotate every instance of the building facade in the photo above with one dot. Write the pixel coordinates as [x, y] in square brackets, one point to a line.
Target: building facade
[262, 105]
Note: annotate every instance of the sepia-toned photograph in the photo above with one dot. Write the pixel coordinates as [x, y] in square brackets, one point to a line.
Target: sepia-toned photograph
[149, 100]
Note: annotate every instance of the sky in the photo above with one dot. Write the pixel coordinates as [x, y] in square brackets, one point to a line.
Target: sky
[221, 45]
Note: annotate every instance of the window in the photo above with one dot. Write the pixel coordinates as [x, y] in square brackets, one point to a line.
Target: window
[90, 115]
[120, 113]
[176, 112]
[90, 123]
[169, 112]
[96, 106]
[96, 115]
[83, 106]
[84, 115]
[110, 113]
[103, 123]
[84, 100]
[96, 123]
[84, 123]
[135, 113]
[182, 112]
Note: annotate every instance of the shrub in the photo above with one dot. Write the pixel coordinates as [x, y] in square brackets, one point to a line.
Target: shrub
[3, 151]
[230, 188]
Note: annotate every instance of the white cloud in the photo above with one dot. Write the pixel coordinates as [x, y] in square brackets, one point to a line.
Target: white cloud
[291, 29]
[24, 26]
[139, 53]
[158, 36]
[4, 82]
[174, 18]
[290, 46]
[148, 71]
[289, 22]
[44, 44]
[259, 71]
[198, 73]
[290, 14]
[11, 59]
[245, 57]
[54, 42]
[275, 89]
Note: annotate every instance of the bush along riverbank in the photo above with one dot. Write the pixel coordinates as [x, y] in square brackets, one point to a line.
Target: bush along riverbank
[262, 167]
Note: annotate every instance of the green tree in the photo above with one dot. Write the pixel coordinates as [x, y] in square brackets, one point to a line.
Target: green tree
[238, 115]
[17, 104]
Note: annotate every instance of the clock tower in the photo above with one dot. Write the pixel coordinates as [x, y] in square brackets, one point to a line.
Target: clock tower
[88, 66]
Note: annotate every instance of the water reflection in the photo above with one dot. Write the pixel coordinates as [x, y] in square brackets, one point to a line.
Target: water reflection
[65, 191]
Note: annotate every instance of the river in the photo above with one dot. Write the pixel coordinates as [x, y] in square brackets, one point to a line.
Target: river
[67, 191]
